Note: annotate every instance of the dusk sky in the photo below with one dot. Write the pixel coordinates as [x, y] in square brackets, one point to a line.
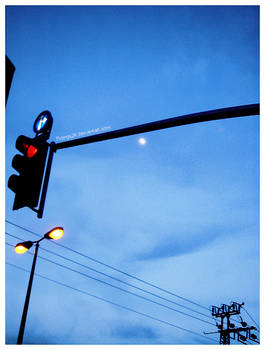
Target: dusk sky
[172, 222]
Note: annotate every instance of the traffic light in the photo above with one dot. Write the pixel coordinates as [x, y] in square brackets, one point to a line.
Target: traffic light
[30, 166]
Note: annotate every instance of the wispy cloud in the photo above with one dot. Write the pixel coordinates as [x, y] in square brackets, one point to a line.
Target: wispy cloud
[134, 333]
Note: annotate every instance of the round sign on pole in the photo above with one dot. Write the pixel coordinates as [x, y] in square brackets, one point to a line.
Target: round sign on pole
[43, 123]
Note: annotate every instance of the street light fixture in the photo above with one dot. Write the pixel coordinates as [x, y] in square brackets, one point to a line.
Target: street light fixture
[55, 233]
[21, 248]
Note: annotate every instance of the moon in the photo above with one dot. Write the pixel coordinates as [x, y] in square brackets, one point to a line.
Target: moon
[142, 141]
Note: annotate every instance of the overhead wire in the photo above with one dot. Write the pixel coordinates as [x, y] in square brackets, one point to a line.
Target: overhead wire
[120, 271]
[115, 269]
[113, 303]
[116, 279]
[125, 273]
[121, 289]
[23, 228]
[251, 317]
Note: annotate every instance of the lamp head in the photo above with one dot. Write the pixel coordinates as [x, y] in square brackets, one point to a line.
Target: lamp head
[55, 233]
[22, 247]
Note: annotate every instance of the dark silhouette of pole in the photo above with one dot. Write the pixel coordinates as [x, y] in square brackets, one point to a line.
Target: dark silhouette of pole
[26, 305]
[22, 247]
[243, 333]
[45, 182]
[10, 69]
[223, 113]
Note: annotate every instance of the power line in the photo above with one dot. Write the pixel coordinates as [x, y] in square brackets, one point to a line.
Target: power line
[123, 290]
[251, 317]
[113, 303]
[14, 236]
[23, 228]
[128, 284]
[126, 291]
[115, 269]
[116, 279]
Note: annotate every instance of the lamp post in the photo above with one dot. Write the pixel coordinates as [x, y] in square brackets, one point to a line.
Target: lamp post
[21, 248]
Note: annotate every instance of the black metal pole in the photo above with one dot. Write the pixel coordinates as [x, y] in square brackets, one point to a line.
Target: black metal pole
[46, 181]
[223, 113]
[26, 305]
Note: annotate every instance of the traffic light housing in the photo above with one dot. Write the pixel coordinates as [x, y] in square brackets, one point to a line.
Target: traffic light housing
[30, 166]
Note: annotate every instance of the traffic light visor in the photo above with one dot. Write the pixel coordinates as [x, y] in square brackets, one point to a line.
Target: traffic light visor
[25, 145]
[14, 183]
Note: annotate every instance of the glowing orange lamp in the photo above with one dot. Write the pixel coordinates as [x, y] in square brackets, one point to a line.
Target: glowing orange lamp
[22, 247]
[55, 233]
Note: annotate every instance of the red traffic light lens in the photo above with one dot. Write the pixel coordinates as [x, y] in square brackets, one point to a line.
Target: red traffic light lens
[31, 151]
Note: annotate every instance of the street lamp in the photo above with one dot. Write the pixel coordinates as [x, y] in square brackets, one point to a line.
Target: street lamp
[21, 248]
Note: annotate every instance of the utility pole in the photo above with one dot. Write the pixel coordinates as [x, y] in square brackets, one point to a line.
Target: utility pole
[227, 329]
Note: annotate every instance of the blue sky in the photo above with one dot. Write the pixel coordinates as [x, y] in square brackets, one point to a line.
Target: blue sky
[181, 211]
